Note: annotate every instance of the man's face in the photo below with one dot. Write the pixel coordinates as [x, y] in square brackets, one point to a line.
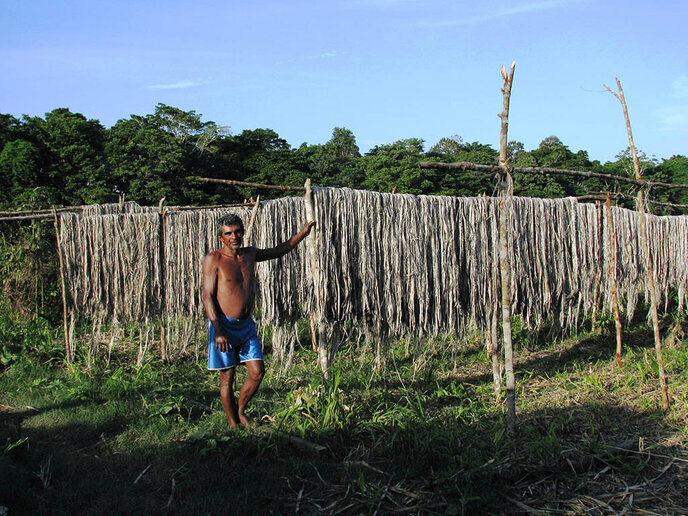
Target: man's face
[232, 237]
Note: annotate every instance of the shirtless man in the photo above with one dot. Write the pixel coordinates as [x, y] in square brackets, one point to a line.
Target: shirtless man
[229, 291]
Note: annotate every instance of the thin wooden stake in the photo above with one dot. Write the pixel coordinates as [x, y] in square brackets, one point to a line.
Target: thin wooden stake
[505, 209]
[314, 332]
[646, 246]
[164, 355]
[612, 280]
[599, 209]
[494, 349]
[68, 344]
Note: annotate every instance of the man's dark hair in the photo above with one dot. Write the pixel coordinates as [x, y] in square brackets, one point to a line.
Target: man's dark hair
[229, 220]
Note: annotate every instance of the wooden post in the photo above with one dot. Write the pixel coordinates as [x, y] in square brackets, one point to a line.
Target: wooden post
[599, 209]
[494, 350]
[162, 279]
[252, 220]
[646, 248]
[493, 347]
[505, 209]
[69, 352]
[323, 352]
[612, 279]
[314, 332]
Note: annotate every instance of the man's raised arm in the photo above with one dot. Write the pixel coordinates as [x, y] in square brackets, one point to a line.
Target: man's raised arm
[284, 247]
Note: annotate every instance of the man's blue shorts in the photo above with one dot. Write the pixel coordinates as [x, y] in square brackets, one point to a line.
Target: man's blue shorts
[243, 341]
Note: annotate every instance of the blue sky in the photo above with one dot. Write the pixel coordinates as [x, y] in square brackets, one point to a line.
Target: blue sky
[386, 69]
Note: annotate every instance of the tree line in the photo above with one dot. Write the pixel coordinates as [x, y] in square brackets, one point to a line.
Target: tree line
[66, 159]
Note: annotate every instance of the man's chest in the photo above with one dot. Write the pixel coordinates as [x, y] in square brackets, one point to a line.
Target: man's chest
[236, 270]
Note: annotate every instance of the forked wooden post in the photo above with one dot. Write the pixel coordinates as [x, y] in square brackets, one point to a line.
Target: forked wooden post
[312, 242]
[642, 223]
[505, 237]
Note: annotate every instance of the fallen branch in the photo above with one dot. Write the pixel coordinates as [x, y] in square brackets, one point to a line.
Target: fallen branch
[601, 196]
[466, 165]
[252, 185]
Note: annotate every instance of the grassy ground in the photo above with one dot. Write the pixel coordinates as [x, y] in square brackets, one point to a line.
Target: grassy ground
[423, 436]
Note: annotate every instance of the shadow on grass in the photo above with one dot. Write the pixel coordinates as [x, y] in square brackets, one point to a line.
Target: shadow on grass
[591, 350]
[386, 464]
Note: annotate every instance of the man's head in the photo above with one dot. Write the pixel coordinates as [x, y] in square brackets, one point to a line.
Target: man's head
[231, 231]
[229, 220]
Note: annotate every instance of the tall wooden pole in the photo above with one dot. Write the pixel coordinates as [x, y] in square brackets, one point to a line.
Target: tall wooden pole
[505, 209]
[646, 248]
[69, 352]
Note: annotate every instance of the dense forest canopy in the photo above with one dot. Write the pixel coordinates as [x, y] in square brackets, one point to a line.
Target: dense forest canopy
[67, 159]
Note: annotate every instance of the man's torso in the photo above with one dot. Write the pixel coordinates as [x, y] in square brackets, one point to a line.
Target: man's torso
[236, 282]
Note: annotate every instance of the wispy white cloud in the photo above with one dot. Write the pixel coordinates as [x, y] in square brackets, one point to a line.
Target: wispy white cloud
[180, 85]
[325, 55]
[529, 8]
[333, 53]
[498, 13]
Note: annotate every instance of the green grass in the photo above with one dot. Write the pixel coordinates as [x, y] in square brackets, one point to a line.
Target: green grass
[422, 436]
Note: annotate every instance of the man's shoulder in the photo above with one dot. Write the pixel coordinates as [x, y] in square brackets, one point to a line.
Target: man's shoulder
[212, 256]
[248, 252]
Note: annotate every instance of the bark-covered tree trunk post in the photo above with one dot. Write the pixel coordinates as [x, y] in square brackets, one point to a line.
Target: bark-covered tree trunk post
[505, 238]
[646, 247]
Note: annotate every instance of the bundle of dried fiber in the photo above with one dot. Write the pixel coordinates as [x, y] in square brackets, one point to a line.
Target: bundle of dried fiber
[403, 264]
[285, 284]
[668, 238]
[408, 265]
[391, 265]
[112, 265]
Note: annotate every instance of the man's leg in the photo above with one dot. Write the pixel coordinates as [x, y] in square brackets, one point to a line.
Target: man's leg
[255, 372]
[227, 395]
